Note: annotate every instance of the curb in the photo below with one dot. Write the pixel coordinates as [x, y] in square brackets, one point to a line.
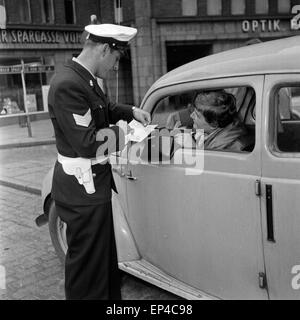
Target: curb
[20, 187]
[27, 144]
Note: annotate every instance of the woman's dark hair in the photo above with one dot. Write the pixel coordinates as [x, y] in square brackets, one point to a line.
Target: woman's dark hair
[220, 109]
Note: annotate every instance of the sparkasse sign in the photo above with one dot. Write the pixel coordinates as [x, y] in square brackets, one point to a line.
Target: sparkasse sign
[9, 36]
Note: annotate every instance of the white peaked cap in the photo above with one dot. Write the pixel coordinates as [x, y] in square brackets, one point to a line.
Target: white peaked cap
[114, 34]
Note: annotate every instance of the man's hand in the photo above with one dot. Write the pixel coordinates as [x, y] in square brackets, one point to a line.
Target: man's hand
[142, 116]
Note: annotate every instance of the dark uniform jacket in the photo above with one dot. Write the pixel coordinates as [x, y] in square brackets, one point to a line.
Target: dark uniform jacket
[78, 108]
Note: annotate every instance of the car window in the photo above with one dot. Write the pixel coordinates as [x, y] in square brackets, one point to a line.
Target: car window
[287, 119]
[234, 135]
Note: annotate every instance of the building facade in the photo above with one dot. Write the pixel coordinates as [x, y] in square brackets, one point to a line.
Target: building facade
[43, 34]
[171, 33]
[37, 38]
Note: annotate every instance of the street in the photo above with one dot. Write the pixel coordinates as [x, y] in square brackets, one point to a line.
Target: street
[32, 269]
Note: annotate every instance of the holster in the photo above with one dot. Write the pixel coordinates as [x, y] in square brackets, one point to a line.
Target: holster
[81, 168]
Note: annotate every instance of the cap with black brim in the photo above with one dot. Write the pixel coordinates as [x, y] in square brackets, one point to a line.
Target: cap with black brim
[116, 36]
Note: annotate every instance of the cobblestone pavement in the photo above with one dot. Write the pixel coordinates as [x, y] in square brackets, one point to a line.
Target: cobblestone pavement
[32, 268]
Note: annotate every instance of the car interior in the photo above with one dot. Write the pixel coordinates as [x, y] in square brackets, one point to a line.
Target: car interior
[287, 106]
[171, 109]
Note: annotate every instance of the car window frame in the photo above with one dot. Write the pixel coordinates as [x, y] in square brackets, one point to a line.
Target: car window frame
[209, 86]
[271, 130]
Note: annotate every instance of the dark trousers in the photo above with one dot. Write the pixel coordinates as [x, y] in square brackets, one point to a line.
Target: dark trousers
[91, 266]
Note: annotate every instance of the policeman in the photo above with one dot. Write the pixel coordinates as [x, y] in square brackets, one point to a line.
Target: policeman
[82, 182]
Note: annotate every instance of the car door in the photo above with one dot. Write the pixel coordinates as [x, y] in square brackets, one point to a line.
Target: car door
[203, 229]
[281, 185]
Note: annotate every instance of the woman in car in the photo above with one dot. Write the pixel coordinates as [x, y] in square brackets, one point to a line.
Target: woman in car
[215, 113]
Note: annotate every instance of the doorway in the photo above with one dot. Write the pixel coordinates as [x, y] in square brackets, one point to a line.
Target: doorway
[181, 52]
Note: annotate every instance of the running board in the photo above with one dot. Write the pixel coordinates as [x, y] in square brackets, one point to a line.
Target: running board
[149, 273]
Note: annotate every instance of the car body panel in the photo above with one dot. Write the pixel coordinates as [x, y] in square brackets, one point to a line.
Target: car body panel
[215, 242]
[147, 272]
[126, 247]
[282, 172]
[47, 186]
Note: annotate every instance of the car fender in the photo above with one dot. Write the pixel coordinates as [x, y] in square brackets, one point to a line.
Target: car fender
[126, 248]
[46, 186]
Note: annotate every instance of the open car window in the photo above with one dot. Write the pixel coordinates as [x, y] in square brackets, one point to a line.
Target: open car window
[176, 110]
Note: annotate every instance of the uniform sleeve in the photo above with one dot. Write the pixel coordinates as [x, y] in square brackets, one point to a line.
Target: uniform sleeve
[120, 112]
[73, 115]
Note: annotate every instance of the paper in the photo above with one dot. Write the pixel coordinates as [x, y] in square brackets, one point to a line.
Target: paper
[31, 103]
[140, 132]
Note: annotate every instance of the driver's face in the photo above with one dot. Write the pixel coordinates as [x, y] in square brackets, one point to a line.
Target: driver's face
[203, 99]
[200, 122]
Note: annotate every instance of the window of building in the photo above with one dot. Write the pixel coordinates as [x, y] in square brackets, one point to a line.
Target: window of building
[287, 119]
[37, 72]
[118, 11]
[284, 6]
[238, 7]
[214, 7]
[70, 11]
[24, 11]
[47, 11]
[2, 15]
[262, 6]
[189, 7]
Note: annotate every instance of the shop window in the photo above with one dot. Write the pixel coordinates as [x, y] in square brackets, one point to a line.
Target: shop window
[189, 7]
[214, 7]
[118, 11]
[2, 15]
[238, 7]
[286, 119]
[47, 11]
[24, 11]
[262, 6]
[284, 6]
[70, 11]
[24, 84]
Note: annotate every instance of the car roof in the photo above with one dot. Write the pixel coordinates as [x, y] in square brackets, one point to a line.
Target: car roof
[277, 56]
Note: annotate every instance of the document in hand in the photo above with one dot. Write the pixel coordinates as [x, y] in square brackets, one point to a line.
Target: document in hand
[140, 132]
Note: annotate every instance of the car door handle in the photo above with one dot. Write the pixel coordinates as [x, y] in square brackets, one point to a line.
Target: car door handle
[130, 176]
[269, 211]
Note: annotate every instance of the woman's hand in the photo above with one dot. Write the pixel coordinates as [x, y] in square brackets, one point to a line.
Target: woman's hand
[184, 140]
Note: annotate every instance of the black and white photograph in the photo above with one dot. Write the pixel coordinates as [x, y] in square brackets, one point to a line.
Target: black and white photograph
[150, 151]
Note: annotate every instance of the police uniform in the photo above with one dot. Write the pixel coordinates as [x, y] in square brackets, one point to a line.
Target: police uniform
[82, 181]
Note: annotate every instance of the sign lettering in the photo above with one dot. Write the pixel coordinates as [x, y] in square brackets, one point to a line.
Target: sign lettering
[262, 25]
[39, 36]
[27, 69]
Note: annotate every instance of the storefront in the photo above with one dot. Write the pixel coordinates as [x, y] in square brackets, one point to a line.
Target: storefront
[173, 33]
[28, 61]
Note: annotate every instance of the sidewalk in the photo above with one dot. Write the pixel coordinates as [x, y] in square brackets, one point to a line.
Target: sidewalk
[25, 168]
[15, 136]
[25, 161]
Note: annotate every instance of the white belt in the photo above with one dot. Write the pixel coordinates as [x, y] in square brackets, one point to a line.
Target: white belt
[81, 168]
